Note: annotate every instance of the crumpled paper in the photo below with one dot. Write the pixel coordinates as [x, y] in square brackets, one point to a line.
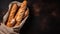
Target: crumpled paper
[13, 30]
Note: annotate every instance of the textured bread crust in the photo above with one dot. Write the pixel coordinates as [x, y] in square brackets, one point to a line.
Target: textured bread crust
[11, 15]
[20, 12]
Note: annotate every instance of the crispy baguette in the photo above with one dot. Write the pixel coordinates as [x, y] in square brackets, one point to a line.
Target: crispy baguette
[11, 15]
[20, 12]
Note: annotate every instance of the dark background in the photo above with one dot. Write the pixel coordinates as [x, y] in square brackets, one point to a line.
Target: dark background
[48, 22]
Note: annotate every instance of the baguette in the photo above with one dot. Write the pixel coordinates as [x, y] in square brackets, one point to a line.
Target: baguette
[11, 15]
[20, 13]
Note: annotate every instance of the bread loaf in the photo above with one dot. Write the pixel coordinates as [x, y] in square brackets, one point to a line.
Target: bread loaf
[20, 13]
[11, 15]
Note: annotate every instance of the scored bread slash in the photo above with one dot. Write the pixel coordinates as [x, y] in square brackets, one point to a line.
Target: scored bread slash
[20, 12]
[12, 14]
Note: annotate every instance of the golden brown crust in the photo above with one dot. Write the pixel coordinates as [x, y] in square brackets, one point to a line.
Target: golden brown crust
[20, 12]
[11, 15]
[15, 19]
